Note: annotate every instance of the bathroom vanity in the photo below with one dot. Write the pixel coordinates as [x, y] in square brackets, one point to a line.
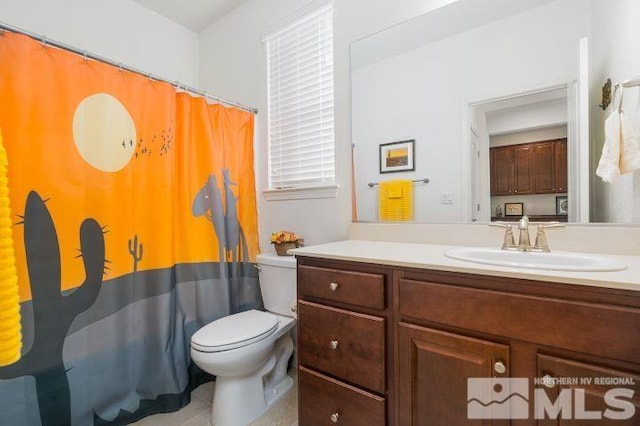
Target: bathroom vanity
[389, 333]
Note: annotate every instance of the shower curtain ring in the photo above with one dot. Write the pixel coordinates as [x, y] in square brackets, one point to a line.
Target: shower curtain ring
[84, 56]
[44, 41]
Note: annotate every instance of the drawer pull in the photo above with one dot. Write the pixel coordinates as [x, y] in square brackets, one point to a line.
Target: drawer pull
[333, 344]
[499, 367]
[334, 417]
[334, 286]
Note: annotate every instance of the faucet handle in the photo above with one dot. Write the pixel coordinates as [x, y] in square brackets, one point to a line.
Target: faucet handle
[553, 224]
[501, 224]
[541, 238]
[508, 243]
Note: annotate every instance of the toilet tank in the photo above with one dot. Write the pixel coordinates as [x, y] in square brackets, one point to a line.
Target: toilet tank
[277, 282]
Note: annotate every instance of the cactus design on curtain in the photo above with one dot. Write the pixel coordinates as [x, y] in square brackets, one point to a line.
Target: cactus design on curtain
[135, 224]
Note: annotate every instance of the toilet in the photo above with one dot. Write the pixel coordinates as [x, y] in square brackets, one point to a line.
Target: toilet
[249, 351]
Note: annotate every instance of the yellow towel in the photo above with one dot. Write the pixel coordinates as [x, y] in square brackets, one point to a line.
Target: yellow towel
[10, 328]
[395, 189]
[395, 200]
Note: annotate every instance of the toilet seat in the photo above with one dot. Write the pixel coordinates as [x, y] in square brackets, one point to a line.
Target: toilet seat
[234, 331]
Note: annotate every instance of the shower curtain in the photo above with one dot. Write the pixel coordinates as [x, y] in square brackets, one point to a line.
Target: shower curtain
[135, 224]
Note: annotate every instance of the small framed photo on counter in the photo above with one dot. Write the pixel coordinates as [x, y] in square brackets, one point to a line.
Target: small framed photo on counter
[513, 209]
[397, 156]
[562, 205]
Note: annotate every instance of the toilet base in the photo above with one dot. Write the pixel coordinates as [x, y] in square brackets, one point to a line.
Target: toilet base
[279, 391]
[239, 400]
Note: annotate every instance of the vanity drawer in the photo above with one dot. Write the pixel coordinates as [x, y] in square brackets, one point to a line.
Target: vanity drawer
[344, 344]
[355, 288]
[321, 397]
[550, 321]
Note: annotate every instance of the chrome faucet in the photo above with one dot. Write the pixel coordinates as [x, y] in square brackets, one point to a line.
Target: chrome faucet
[541, 238]
[524, 242]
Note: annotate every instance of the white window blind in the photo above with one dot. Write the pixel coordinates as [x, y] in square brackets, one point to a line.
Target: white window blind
[300, 103]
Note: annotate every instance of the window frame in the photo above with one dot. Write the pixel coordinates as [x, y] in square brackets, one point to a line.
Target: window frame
[320, 188]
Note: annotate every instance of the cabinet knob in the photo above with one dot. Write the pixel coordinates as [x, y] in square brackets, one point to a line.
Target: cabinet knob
[294, 308]
[499, 367]
[548, 381]
[334, 286]
[334, 417]
[333, 344]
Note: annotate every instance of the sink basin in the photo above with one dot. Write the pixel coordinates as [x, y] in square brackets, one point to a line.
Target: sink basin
[554, 261]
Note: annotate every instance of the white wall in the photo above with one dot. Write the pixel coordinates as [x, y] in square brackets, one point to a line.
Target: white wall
[233, 65]
[614, 47]
[536, 116]
[120, 30]
[419, 95]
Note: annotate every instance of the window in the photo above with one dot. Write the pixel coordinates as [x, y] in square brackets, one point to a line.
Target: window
[300, 101]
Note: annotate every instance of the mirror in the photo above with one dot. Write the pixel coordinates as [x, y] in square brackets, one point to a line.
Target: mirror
[452, 86]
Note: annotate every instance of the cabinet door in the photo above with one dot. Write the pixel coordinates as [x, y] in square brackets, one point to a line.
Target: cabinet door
[580, 392]
[502, 171]
[433, 370]
[561, 165]
[544, 167]
[523, 170]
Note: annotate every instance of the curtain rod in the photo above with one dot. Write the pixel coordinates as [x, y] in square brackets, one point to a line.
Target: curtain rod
[46, 41]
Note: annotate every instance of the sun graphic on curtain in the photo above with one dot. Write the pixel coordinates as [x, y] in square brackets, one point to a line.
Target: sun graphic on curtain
[104, 132]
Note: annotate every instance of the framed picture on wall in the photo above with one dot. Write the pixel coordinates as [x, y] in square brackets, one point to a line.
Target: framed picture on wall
[513, 209]
[562, 205]
[397, 156]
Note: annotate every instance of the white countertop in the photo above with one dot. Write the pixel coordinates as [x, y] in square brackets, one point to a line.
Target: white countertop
[430, 256]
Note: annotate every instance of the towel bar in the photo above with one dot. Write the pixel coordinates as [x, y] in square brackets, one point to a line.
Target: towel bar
[425, 180]
[607, 89]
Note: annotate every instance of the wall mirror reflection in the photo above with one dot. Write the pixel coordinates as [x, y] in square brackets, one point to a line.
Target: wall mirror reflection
[502, 99]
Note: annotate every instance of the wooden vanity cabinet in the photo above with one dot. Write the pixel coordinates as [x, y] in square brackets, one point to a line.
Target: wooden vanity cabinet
[523, 170]
[344, 343]
[544, 168]
[561, 166]
[408, 339]
[433, 367]
[531, 168]
[455, 326]
[502, 170]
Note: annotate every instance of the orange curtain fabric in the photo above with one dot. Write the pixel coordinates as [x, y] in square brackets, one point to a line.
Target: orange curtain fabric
[214, 139]
[125, 150]
[135, 224]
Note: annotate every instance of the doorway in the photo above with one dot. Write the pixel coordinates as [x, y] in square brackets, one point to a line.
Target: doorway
[526, 122]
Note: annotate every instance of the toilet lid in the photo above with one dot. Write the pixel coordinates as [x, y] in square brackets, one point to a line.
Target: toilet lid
[234, 331]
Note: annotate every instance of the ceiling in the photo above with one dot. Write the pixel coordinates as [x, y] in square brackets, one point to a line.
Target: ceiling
[193, 14]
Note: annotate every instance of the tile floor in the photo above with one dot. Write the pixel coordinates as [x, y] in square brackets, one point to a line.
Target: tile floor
[198, 412]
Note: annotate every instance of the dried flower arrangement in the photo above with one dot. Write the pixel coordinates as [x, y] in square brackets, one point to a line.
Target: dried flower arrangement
[283, 241]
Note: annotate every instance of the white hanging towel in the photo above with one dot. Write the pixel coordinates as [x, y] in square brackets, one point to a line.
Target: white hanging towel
[609, 165]
[630, 145]
[621, 150]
